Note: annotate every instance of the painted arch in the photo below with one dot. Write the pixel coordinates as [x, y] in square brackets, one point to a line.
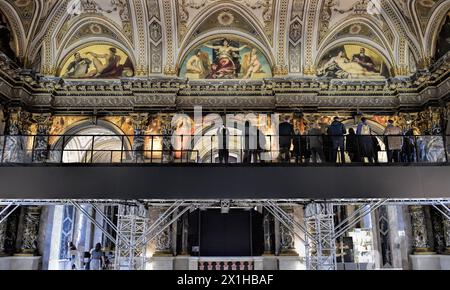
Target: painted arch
[225, 58]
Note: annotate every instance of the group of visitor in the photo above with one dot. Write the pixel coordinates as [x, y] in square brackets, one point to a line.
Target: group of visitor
[95, 259]
[331, 144]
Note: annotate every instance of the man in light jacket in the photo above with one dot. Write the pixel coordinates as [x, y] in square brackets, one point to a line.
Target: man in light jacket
[394, 141]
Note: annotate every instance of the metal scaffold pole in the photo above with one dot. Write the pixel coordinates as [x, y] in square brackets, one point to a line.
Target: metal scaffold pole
[320, 242]
[132, 225]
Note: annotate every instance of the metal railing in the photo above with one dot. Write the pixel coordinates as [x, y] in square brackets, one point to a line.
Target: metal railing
[250, 149]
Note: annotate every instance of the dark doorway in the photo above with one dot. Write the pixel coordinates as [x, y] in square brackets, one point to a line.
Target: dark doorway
[237, 233]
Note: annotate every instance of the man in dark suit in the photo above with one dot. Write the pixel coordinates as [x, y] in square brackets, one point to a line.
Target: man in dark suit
[286, 132]
[223, 135]
[365, 61]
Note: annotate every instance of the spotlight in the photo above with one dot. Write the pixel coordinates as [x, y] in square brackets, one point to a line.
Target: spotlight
[224, 206]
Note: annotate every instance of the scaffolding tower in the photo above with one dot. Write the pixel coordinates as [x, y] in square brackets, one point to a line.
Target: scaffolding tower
[130, 253]
[320, 241]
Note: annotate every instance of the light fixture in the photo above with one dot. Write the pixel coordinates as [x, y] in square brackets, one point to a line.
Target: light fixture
[224, 206]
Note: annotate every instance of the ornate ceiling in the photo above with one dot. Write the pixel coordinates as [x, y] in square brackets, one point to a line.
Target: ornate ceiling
[293, 34]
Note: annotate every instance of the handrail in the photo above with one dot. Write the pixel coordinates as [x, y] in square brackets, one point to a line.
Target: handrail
[248, 149]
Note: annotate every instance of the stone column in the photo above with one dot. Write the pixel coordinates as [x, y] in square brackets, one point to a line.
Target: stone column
[267, 225]
[30, 234]
[40, 142]
[421, 242]
[140, 123]
[167, 131]
[446, 225]
[163, 242]
[385, 237]
[437, 223]
[2, 120]
[185, 235]
[2, 233]
[15, 143]
[287, 237]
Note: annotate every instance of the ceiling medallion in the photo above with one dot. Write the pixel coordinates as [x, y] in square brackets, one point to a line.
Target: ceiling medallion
[355, 29]
[225, 18]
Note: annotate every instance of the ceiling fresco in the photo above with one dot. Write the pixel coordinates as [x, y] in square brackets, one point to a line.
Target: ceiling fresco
[290, 36]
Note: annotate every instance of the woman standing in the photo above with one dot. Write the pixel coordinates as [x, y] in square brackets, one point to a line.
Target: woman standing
[73, 256]
[97, 258]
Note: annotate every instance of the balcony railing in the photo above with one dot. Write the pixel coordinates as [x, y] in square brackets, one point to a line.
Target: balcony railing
[299, 150]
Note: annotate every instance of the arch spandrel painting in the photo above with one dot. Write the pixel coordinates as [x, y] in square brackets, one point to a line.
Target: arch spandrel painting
[97, 62]
[6, 39]
[353, 62]
[443, 42]
[225, 59]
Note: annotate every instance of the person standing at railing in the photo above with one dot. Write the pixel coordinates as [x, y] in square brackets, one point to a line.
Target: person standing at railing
[376, 148]
[250, 143]
[394, 141]
[286, 132]
[352, 146]
[73, 255]
[365, 140]
[223, 137]
[301, 151]
[97, 259]
[336, 131]
[408, 149]
[315, 143]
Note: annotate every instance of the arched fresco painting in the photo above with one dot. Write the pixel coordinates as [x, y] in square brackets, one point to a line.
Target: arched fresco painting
[443, 42]
[225, 59]
[6, 39]
[352, 62]
[97, 62]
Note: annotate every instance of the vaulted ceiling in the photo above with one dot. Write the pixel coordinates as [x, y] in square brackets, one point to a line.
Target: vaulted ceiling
[293, 34]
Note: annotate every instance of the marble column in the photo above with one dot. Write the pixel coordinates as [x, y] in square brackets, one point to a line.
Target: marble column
[15, 144]
[446, 223]
[30, 234]
[268, 233]
[185, 234]
[163, 242]
[2, 233]
[40, 142]
[140, 123]
[437, 223]
[385, 237]
[421, 242]
[2, 120]
[167, 147]
[287, 237]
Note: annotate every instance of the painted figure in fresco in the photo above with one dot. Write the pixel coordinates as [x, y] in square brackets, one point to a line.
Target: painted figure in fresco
[198, 64]
[5, 40]
[227, 63]
[110, 68]
[341, 67]
[251, 64]
[365, 61]
[78, 68]
[443, 45]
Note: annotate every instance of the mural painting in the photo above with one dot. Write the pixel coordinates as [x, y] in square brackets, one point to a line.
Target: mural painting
[225, 59]
[97, 62]
[6, 39]
[443, 42]
[353, 62]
